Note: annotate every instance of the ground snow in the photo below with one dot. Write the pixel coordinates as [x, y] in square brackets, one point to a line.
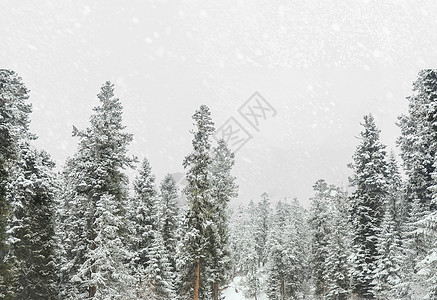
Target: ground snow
[235, 291]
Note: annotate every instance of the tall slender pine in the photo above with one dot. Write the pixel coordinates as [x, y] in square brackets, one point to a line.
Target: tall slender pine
[96, 196]
[14, 125]
[223, 189]
[198, 220]
[367, 205]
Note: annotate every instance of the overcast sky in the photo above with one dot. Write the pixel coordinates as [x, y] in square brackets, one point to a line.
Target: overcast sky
[321, 65]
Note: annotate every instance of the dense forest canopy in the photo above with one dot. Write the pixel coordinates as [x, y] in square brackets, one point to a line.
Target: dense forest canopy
[80, 233]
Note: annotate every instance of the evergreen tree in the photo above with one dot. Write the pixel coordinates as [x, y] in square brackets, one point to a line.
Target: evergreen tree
[223, 188]
[367, 203]
[418, 141]
[277, 266]
[108, 254]
[31, 255]
[245, 258]
[96, 197]
[262, 227]
[27, 191]
[14, 125]
[338, 248]
[298, 235]
[71, 231]
[390, 253]
[158, 281]
[144, 207]
[193, 252]
[287, 253]
[427, 266]
[321, 231]
[241, 239]
[169, 217]
[418, 150]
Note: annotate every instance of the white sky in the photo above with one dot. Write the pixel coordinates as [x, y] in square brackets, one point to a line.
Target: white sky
[321, 64]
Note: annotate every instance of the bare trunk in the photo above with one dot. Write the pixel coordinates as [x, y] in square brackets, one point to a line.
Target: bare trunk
[197, 281]
[216, 290]
[92, 291]
[282, 290]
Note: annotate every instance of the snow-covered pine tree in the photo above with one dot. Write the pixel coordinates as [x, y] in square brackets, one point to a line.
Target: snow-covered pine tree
[367, 205]
[298, 238]
[391, 256]
[320, 235]
[236, 228]
[418, 150]
[14, 125]
[193, 252]
[427, 229]
[107, 258]
[97, 188]
[418, 141]
[262, 227]
[277, 262]
[71, 231]
[288, 244]
[240, 238]
[158, 281]
[338, 248]
[31, 256]
[145, 219]
[223, 189]
[244, 256]
[169, 217]
[249, 261]
[427, 266]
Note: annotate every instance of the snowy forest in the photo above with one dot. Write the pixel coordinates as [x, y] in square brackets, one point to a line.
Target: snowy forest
[86, 232]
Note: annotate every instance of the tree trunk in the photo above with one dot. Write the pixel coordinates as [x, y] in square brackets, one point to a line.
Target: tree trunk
[282, 290]
[197, 281]
[92, 291]
[216, 290]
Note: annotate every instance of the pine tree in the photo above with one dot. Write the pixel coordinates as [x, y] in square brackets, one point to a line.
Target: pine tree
[31, 255]
[321, 231]
[108, 254]
[144, 206]
[329, 242]
[427, 266]
[223, 189]
[27, 191]
[418, 140]
[367, 203]
[193, 252]
[169, 217]
[96, 197]
[287, 264]
[14, 125]
[418, 150]
[338, 248]
[241, 239]
[390, 252]
[427, 230]
[71, 230]
[298, 237]
[158, 280]
[244, 256]
[262, 228]
[277, 260]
